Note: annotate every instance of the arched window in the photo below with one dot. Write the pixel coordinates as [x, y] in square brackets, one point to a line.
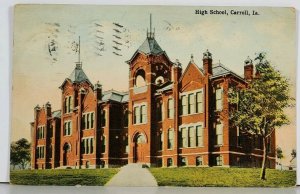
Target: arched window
[140, 78]
[67, 147]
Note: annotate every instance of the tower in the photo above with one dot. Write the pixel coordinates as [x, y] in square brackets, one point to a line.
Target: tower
[149, 70]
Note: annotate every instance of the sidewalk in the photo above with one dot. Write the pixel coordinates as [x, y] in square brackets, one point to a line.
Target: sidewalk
[133, 175]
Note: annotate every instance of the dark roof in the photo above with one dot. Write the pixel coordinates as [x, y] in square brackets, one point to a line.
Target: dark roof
[56, 114]
[220, 70]
[150, 46]
[113, 95]
[77, 76]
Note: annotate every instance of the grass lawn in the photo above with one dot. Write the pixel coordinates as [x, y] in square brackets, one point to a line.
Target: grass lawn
[222, 177]
[62, 177]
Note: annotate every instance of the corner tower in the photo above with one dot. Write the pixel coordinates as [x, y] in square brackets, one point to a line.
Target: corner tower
[149, 69]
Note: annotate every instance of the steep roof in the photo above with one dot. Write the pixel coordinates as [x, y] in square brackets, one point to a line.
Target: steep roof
[150, 46]
[56, 114]
[77, 76]
[220, 70]
[113, 95]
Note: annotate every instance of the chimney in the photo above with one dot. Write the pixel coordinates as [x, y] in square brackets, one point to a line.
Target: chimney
[207, 63]
[248, 69]
[48, 109]
[98, 90]
[176, 71]
[37, 109]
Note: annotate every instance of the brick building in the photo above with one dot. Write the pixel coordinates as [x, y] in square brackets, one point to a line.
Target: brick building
[168, 117]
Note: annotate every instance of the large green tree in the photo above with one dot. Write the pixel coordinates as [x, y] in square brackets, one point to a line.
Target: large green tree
[260, 105]
[20, 153]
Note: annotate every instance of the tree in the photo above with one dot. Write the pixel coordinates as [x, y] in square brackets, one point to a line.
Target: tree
[279, 155]
[20, 153]
[293, 154]
[260, 105]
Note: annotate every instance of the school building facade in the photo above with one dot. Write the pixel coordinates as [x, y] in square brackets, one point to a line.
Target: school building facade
[168, 118]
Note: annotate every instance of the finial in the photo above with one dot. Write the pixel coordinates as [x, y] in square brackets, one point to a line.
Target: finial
[192, 58]
[207, 55]
[248, 61]
[177, 63]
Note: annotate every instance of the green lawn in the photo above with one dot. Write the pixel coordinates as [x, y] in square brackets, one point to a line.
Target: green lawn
[62, 177]
[222, 177]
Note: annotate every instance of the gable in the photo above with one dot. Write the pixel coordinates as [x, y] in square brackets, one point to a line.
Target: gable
[192, 78]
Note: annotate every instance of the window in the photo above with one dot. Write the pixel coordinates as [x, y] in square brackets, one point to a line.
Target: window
[40, 152]
[103, 118]
[184, 132]
[50, 151]
[191, 137]
[219, 160]
[191, 109]
[199, 161]
[238, 137]
[184, 105]
[219, 134]
[199, 136]
[192, 102]
[140, 114]
[170, 138]
[50, 131]
[160, 141]
[183, 161]
[68, 128]
[136, 115]
[88, 120]
[68, 104]
[159, 111]
[169, 162]
[143, 114]
[171, 108]
[199, 102]
[41, 132]
[103, 144]
[126, 145]
[219, 99]
[269, 145]
[88, 145]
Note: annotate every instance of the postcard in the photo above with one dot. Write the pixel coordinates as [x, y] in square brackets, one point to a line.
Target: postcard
[154, 96]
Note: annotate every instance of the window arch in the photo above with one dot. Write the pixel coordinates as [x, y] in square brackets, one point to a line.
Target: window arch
[139, 79]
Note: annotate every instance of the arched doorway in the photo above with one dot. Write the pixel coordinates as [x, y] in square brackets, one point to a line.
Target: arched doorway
[66, 149]
[139, 148]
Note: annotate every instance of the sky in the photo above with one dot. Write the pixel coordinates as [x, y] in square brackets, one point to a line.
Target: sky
[45, 38]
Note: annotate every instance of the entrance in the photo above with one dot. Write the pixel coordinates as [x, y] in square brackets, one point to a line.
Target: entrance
[139, 148]
[67, 149]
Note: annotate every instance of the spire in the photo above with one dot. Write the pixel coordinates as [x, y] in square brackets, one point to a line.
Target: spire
[151, 33]
[79, 63]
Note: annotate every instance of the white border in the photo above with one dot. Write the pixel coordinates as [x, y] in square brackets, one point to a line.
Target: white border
[6, 18]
